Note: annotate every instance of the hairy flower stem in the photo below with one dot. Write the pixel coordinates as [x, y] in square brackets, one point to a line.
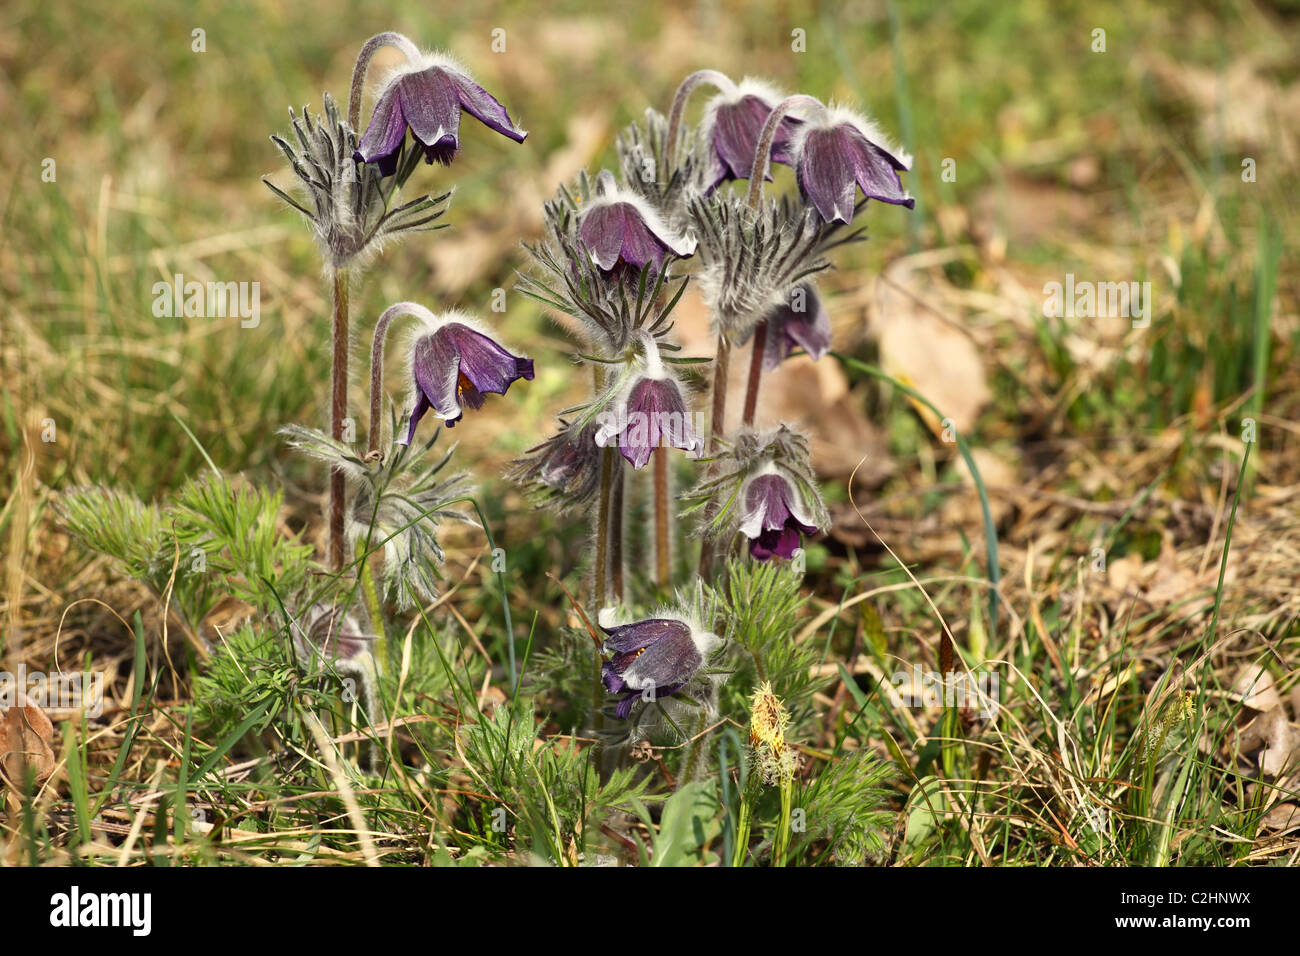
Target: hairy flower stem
[696, 753]
[616, 530]
[755, 373]
[717, 423]
[377, 367]
[371, 595]
[373, 46]
[662, 557]
[338, 412]
[601, 596]
[719, 80]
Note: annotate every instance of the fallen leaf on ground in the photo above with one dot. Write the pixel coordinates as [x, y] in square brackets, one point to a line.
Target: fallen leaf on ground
[931, 355]
[26, 735]
[1253, 686]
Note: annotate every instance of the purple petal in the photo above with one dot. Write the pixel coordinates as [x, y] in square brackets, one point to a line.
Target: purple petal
[632, 637]
[834, 162]
[615, 233]
[382, 140]
[769, 544]
[485, 108]
[827, 173]
[455, 365]
[609, 676]
[671, 659]
[431, 106]
[808, 328]
[769, 520]
[421, 406]
[766, 503]
[877, 173]
[736, 128]
[602, 233]
[624, 706]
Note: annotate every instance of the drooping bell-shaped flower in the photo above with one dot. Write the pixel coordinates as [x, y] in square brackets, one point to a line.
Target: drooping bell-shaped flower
[427, 98]
[652, 659]
[836, 152]
[453, 364]
[623, 233]
[565, 468]
[773, 515]
[801, 322]
[649, 412]
[731, 125]
[766, 489]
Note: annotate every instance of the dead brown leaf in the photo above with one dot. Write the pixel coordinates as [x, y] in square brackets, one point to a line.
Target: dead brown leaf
[26, 737]
[1275, 739]
[927, 352]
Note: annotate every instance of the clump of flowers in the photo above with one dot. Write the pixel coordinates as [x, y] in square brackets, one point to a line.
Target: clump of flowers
[616, 254]
[385, 502]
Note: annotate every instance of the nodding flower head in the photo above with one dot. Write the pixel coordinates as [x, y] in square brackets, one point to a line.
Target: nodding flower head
[623, 233]
[427, 98]
[800, 323]
[773, 515]
[565, 468]
[766, 490]
[835, 152]
[731, 125]
[653, 658]
[453, 364]
[648, 412]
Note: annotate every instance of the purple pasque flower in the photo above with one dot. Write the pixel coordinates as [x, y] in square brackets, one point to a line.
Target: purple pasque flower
[652, 659]
[565, 467]
[732, 122]
[427, 98]
[773, 515]
[835, 153]
[453, 364]
[623, 233]
[650, 412]
[800, 322]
